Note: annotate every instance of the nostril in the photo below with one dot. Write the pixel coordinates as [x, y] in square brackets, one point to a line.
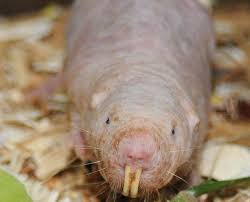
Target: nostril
[130, 156]
[138, 154]
[136, 158]
[137, 149]
[140, 158]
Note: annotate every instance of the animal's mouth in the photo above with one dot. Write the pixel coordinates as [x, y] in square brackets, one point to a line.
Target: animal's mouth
[131, 182]
[135, 161]
[136, 180]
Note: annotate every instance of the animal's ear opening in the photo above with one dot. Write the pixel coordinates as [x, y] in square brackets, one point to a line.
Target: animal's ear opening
[194, 123]
[97, 99]
[192, 116]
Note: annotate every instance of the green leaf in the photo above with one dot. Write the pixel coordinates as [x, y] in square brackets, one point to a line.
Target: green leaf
[208, 187]
[11, 190]
[212, 185]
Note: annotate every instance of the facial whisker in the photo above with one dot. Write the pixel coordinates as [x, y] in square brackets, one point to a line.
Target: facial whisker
[87, 147]
[95, 183]
[179, 150]
[96, 171]
[91, 163]
[107, 199]
[102, 191]
[178, 177]
[114, 194]
[104, 182]
[85, 164]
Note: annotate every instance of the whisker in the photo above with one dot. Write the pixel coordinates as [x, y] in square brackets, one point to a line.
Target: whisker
[95, 183]
[179, 150]
[85, 164]
[87, 147]
[96, 171]
[102, 191]
[115, 193]
[104, 182]
[178, 177]
[107, 199]
[91, 163]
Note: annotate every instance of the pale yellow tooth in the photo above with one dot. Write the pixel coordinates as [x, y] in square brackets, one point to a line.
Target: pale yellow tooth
[135, 183]
[127, 181]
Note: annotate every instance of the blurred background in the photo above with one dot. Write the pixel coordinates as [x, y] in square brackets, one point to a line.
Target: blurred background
[19, 6]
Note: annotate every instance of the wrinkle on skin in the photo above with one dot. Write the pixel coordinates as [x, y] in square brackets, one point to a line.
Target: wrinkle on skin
[144, 65]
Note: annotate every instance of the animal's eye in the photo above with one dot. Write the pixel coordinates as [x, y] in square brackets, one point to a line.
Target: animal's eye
[107, 121]
[173, 131]
[174, 124]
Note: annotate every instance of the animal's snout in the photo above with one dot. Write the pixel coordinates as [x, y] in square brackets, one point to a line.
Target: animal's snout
[138, 161]
[137, 150]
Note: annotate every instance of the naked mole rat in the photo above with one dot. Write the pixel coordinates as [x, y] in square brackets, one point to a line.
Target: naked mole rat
[138, 77]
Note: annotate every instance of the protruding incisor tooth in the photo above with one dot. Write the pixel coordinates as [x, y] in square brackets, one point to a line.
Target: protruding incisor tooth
[135, 183]
[127, 181]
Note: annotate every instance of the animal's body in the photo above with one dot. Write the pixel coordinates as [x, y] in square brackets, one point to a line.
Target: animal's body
[138, 77]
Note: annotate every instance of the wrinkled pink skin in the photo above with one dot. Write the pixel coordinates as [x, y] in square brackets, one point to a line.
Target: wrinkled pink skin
[144, 65]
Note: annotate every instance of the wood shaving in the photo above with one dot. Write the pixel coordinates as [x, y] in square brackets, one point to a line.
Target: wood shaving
[218, 156]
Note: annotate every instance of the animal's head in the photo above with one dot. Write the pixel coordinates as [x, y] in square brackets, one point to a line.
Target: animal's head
[142, 136]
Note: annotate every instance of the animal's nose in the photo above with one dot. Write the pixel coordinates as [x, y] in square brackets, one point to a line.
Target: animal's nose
[137, 150]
